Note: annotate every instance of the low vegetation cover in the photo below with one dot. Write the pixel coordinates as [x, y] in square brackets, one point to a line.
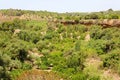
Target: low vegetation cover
[54, 51]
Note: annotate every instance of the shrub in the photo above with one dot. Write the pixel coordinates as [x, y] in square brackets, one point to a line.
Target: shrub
[79, 76]
[112, 59]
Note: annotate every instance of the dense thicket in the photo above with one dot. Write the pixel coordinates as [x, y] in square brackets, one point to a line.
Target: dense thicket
[41, 45]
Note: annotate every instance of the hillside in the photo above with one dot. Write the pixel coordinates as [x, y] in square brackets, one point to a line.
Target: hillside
[41, 45]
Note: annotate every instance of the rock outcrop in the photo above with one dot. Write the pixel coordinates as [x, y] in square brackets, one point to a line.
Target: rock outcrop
[105, 22]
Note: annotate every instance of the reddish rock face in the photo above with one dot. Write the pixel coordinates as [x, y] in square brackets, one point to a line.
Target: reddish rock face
[116, 23]
[105, 23]
[112, 22]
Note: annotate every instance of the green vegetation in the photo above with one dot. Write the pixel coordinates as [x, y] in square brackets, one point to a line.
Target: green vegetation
[54, 51]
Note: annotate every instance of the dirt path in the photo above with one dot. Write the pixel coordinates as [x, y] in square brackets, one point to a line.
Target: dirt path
[93, 68]
[110, 74]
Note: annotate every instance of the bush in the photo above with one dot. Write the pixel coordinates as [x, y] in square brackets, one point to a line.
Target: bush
[75, 60]
[79, 76]
[112, 59]
[95, 32]
[12, 25]
[29, 36]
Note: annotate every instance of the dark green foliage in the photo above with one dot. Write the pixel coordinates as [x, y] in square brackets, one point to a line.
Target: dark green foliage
[22, 55]
[112, 59]
[4, 59]
[76, 60]
[79, 76]
[12, 25]
[101, 46]
[105, 40]
[93, 16]
[29, 36]
[95, 32]
[5, 66]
